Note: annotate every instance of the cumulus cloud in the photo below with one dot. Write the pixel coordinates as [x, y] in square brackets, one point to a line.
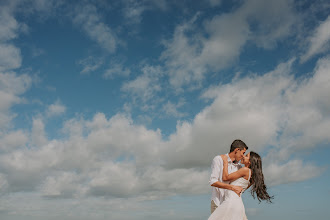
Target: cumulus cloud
[8, 25]
[61, 185]
[145, 86]
[269, 110]
[248, 109]
[308, 110]
[13, 140]
[11, 87]
[292, 171]
[180, 56]
[13, 83]
[189, 56]
[55, 109]
[319, 41]
[172, 109]
[38, 135]
[116, 158]
[10, 56]
[269, 21]
[111, 163]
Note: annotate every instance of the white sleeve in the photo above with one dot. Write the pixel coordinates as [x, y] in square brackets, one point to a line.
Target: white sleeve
[217, 167]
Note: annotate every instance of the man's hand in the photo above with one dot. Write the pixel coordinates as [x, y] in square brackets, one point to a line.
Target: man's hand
[237, 190]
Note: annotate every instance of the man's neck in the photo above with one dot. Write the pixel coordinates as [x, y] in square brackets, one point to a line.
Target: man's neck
[232, 156]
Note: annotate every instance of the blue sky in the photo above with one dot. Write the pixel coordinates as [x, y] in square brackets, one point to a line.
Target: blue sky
[115, 109]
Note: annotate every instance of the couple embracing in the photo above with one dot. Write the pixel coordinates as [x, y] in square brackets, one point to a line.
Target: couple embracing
[229, 179]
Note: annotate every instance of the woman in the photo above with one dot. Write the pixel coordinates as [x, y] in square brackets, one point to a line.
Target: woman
[232, 207]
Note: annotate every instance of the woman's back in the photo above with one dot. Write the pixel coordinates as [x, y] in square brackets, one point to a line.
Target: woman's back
[242, 182]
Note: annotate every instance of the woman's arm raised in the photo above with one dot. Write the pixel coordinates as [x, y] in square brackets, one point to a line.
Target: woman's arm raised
[233, 176]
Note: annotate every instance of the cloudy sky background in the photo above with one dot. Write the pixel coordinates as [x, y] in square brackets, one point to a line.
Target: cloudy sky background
[115, 109]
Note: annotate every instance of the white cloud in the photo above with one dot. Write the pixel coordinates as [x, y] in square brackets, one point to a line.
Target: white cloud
[38, 135]
[26, 168]
[8, 25]
[181, 56]
[140, 86]
[190, 55]
[55, 109]
[145, 86]
[133, 11]
[270, 21]
[116, 159]
[11, 87]
[248, 109]
[15, 84]
[269, 110]
[7, 100]
[292, 171]
[73, 127]
[228, 33]
[88, 18]
[116, 69]
[63, 185]
[13, 140]
[171, 109]
[308, 111]
[10, 57]
[319, 42]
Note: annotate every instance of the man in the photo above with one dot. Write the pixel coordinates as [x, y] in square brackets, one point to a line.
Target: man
[237, 151]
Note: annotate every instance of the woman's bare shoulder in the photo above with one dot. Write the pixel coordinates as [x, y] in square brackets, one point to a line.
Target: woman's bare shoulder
[245, 169]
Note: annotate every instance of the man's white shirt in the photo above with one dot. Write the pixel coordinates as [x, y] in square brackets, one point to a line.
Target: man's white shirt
[216, 175]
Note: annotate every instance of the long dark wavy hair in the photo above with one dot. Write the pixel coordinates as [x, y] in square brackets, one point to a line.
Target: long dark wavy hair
[258, 186]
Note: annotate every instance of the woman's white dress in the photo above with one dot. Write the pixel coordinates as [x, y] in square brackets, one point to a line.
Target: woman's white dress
[232, 208]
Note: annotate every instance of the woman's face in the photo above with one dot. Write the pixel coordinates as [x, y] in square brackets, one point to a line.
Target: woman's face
[246, 159]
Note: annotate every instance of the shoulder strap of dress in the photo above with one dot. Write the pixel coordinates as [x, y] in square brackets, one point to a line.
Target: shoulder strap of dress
[249, 174]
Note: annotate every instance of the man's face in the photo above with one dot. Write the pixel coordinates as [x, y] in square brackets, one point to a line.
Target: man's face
[239, 154]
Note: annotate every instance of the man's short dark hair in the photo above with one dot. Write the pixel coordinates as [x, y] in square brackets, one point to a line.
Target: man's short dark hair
[238, 144]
